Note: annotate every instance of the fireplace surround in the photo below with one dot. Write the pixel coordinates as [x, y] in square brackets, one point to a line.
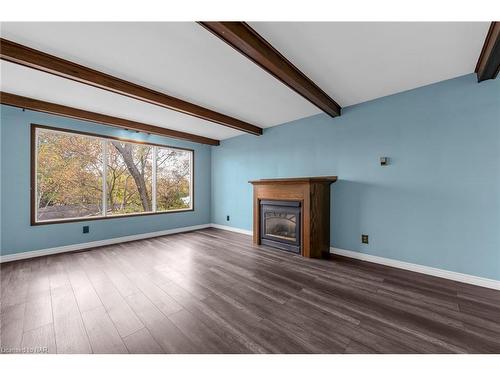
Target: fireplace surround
[311, 197]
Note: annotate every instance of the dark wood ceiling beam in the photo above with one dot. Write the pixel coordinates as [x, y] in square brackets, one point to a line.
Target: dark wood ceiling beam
[80, 114]
[247, 41]
[488, 64]
[19, 54]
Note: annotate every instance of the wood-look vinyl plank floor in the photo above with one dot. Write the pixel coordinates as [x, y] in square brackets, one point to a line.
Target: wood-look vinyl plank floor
[213, 291]
[141, 342]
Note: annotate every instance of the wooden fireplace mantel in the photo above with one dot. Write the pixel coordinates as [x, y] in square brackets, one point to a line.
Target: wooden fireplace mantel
[295, 180]
[314, 195]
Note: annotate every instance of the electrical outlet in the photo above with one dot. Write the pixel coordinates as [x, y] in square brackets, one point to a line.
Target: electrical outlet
[227, 218]
[86, 229]
[364, 238]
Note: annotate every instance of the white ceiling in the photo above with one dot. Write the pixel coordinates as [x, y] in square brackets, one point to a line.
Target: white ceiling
[352, 62]
[359, 61]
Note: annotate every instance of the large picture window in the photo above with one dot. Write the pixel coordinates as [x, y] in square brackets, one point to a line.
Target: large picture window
[80, 176]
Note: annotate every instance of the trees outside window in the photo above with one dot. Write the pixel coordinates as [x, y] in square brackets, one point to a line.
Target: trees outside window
[129, 178]
[69, 176]
[83, 177]
[173, 176]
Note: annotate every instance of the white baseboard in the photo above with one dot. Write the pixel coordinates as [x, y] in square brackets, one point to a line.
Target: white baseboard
[456, 276]
[87, 245]
[232, 229]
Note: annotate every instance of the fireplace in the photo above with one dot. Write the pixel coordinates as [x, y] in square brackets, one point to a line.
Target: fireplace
[293, 214]
[281, 224]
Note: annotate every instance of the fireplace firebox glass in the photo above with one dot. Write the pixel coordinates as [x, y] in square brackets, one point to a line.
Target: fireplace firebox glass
[281, 225]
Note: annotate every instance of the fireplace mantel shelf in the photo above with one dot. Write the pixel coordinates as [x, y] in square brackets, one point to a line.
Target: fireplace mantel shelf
[293, 180]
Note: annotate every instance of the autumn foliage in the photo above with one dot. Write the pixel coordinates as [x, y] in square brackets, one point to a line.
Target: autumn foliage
[70, 168]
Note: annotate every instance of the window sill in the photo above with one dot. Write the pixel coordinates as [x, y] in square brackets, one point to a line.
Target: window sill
[121, 216]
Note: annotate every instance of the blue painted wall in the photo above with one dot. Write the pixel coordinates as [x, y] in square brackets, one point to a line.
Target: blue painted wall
[16, 233]
[437, 204]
